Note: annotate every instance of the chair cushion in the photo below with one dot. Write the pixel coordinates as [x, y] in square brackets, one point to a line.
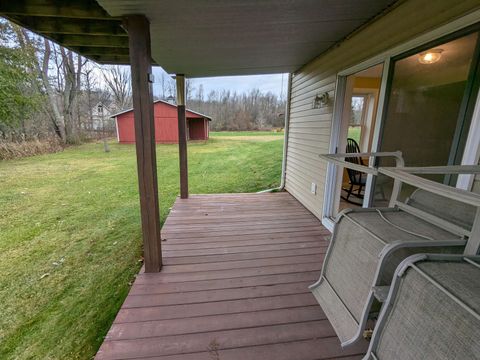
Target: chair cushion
[453, 211]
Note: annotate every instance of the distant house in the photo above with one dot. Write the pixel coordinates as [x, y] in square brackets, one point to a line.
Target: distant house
[101, 116]
[166, 124]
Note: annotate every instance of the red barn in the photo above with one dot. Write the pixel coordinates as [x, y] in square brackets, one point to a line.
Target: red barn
[166, 124]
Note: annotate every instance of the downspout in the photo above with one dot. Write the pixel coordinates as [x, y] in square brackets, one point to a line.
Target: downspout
[285, 139]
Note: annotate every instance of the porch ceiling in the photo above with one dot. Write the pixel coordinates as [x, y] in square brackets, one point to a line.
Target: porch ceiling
[224, 37]
[202, 37]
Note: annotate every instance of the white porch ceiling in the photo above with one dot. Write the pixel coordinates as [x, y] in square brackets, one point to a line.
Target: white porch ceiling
[226, 37]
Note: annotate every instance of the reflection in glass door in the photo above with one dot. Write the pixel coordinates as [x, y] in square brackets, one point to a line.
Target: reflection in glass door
[357, 118]
[427, 111]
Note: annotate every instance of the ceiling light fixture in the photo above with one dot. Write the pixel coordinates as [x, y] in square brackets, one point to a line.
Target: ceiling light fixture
[430, 56]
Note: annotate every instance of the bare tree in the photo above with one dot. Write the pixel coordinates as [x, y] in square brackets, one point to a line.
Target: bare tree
[69, 69]
[200, 93]
[68, 78]
[90, 84]
[42, 65]
[189, 88]
[117, 79]
[171, 89]
[253, 110]
[166, 86]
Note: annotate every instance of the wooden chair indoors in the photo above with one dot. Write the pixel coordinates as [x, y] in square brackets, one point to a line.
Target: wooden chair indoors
[356, 179]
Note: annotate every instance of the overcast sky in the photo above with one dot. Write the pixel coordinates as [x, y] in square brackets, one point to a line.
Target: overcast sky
[276, 84]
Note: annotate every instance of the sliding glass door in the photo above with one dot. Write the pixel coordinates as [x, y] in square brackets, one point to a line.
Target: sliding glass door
[429, 103]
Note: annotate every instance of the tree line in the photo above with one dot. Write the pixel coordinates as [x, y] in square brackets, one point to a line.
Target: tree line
[49, 91]
[252, 110]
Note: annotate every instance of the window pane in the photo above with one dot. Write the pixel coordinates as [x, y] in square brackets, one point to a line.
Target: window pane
[424, 102]
[354, 132]
[358, 106]
[424, 106]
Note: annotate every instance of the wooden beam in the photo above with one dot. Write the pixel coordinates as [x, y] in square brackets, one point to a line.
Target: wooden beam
[182, 136]
[141, 68]
[110, 59]
[89, 40]
[100, 51]
[70, 26]
[81, 9]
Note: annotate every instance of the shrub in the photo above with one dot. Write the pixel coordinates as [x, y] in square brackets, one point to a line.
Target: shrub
[18, 149]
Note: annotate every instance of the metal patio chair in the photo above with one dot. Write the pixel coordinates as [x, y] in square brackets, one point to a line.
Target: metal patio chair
[432, 311]
[368, 244]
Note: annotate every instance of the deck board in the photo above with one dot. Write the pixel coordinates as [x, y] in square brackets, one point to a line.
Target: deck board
[233, 286]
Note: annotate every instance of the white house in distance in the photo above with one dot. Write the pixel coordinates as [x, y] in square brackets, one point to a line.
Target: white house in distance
[101, 113]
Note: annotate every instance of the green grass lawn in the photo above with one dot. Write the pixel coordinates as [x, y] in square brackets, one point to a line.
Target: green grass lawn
[354, 133]
[70, 239]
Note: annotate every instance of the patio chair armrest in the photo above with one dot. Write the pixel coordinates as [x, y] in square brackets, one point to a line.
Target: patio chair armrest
[406, 175]
[339, 159]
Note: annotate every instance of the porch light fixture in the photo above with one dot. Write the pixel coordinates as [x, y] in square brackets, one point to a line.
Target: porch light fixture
[430, 56]
[320, 100]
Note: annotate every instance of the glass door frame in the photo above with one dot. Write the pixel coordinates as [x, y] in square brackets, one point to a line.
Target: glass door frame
[465, 117]
[461, 26]
[334, 173]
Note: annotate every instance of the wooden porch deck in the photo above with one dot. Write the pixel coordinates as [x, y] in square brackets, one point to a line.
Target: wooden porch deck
[233, 286]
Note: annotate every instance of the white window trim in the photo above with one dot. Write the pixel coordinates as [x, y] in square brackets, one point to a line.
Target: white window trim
[332, 173]
[471, 155]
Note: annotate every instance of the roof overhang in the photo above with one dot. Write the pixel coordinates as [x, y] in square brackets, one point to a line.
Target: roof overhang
[80, 25]
[202, 37]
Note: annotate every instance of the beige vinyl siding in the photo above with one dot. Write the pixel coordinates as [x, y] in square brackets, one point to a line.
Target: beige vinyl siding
[309, 129]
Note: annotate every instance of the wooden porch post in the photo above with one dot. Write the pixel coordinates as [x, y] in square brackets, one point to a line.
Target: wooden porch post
[182, 136]
[140, 61]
